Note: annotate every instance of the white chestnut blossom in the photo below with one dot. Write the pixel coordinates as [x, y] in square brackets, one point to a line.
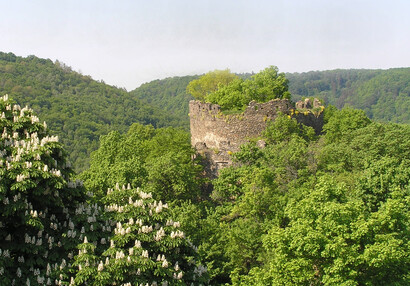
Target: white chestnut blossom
[100, 266]
[146, 229]
[145, 253]
[159, 234]
[177, 234]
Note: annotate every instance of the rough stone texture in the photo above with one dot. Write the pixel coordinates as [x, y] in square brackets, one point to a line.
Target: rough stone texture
[216, 135]
[316, 103]
[306, 104]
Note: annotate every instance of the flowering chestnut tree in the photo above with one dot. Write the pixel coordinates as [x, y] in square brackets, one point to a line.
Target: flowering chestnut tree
[37, 199]
[145, 246]
[52, 233]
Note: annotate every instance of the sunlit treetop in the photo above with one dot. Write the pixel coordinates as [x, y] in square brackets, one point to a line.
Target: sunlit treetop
[234, 93]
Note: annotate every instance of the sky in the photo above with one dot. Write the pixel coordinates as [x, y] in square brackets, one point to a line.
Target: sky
[130, 42]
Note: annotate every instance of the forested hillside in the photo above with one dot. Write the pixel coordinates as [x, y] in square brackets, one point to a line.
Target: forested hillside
[383, 94]
[332, 209]
[168, 94]
[77, 108]
[80, 109]
[304, 209]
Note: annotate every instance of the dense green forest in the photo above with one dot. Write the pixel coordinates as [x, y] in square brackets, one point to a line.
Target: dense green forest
[77, 108]
[331, 209]
[53, 231]
[167, 94]
[383, 94]
[306, 209]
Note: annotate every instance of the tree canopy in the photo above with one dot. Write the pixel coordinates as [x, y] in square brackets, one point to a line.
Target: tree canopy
[159, 160]
[308, 210]
[77, 108]
[382, 94]
[304, 209]
[122, 236]
[38, 198]
[330, 209]
[236, 93]
[209, 82]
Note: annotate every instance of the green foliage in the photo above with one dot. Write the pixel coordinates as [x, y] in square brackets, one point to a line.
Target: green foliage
[380, 177]
[266, 85]
[146, 246]
[252, 196]
[230, 97]
[45, 217]
[168, 94]
[332, 240]
[343, 122]
[160, 160]
[284, 127]
[328, 112]
[307, 210]
[303, 210]
[213, 245]
[78, 109]
[209, 82]
[382, 94]
[38, 200]
[173, 176]
[361, 148]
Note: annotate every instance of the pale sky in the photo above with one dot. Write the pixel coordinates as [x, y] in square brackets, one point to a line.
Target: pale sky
[126, 43]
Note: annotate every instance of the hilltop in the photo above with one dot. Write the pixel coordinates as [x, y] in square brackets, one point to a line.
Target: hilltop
[168, 94]
[80, 109]
[77, 108]
[383, 94]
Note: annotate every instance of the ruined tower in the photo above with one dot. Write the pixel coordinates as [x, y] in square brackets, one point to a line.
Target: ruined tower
[216, 135]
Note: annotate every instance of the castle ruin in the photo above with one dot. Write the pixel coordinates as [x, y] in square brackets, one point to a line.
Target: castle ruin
[216, 135]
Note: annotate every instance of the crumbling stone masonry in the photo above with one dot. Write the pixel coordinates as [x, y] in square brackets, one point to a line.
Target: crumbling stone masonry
[216, 135]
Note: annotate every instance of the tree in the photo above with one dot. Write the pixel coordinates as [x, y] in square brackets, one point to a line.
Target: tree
[266, 85]
[229, 97]
[283, 128]
[45, 218]
[118, 160]
[382, 94]
[342, 122]
[305, 210]
[210, 82]
[38, 199]
[77, 108]
[145, 247]
[332, 239]
[159, 160]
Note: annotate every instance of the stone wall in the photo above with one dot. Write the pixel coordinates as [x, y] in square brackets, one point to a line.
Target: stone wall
[216, 135]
